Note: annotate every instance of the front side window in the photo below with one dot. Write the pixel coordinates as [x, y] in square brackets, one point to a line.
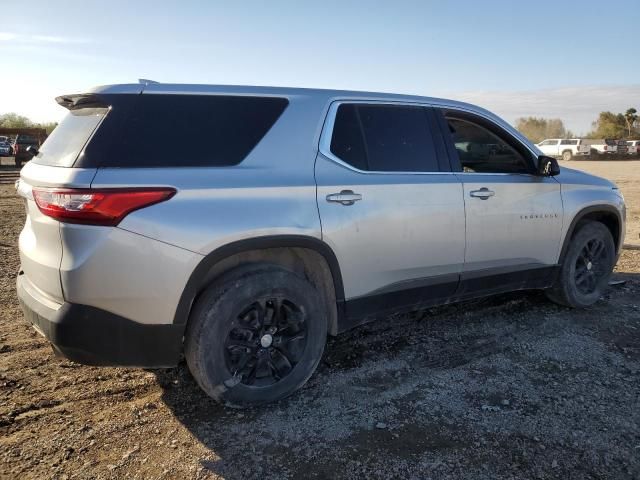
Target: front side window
[549, 142]
[482, 151]
[384, 138]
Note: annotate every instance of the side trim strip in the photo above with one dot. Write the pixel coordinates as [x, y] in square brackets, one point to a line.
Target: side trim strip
[440, 290]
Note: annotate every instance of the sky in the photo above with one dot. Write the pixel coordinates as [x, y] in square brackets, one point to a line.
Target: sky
[562, 59]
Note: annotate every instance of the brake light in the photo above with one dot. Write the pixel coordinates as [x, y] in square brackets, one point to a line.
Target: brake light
[16, 148]
[605, 148]
[106, 207]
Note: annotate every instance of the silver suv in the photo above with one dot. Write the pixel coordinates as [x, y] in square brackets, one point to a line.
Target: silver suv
[285, 215]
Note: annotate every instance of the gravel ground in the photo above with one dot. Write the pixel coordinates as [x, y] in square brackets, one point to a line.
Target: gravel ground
[508, 387]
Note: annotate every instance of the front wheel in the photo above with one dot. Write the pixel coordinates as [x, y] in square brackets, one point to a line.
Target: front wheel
[586, 268]
[256, 336]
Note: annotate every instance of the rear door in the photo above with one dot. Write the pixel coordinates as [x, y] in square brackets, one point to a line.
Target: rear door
[391, 209]
[513, 216]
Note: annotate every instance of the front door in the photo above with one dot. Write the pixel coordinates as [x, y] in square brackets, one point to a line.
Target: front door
[513, 215]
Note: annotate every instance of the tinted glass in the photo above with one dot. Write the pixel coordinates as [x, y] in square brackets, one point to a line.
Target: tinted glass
[66, 141]
[480, 150]
[181, 130]
[549, 142]
[568, 142]
[384, 138]
[346, 140]
[398, 139]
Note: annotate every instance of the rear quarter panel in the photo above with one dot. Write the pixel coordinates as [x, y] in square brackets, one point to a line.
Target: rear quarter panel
[272, 192]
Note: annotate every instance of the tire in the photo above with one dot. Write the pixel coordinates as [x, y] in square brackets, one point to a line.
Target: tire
[237, 360]
[586, 267]
[567, 155]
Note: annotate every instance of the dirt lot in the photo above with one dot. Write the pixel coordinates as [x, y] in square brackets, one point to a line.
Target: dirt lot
[509, 387]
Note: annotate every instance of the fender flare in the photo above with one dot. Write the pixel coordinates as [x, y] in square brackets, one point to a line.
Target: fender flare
[198, 275]
[604, 208]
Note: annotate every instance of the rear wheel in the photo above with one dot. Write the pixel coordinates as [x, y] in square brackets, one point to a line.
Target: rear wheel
[586, 268]
[567, 155]
[256, 336]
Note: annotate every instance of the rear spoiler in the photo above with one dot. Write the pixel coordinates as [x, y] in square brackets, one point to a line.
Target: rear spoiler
[81, 100]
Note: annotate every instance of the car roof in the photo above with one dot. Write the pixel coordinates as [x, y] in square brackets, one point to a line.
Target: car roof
[178, 88]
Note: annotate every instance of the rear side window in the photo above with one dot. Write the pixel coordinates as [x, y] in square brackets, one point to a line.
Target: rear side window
[569, 142]
[384, 138]
[181, 130]
[66, 141]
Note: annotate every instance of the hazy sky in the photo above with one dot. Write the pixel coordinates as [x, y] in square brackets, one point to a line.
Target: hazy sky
[567, 59]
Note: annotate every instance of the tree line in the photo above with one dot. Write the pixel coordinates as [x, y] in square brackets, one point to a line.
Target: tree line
[13, 120]
[608, 125]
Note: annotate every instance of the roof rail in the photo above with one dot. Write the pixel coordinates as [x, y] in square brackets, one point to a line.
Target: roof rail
[145, 81]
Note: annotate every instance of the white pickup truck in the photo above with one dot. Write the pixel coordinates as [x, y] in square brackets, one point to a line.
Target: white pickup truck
[603, 146]
[564, 148]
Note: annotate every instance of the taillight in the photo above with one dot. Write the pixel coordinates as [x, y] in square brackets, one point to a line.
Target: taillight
[105, 207]
[605, 148]
[16, 148]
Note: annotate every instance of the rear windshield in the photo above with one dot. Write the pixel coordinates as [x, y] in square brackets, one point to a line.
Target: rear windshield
[610, 142]
[66, 141]
[154, 130]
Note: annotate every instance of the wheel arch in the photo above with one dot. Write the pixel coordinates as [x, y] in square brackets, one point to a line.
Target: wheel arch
[307, 255]
[606, 214]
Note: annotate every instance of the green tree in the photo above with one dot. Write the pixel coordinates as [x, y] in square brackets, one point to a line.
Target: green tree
[48, 126]
[537, 129]
[13, 120]
[630, 117]
[609, 125]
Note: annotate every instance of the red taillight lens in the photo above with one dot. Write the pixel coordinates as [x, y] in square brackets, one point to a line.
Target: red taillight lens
[105, 207]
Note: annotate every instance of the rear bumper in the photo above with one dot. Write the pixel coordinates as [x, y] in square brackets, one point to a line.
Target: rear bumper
[93, 336]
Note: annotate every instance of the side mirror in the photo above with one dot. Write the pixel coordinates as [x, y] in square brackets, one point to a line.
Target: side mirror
[548, 166]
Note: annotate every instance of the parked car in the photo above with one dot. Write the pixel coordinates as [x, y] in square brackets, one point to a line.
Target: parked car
[5, 147]
[602, 146]
[20, 145]
[305, 213]
[633, 147]
[622, 147]
[564, 148]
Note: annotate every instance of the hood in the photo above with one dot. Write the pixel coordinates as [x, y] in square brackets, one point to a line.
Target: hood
[570, 176]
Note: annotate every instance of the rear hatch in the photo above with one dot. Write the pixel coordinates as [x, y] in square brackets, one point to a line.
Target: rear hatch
[40, 241]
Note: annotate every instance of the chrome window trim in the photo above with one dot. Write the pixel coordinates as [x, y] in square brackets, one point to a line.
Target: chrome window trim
[327, 133]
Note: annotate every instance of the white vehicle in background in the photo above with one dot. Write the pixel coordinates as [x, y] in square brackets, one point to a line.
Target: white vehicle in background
[634, 147]
[564, 148]
[602, 146]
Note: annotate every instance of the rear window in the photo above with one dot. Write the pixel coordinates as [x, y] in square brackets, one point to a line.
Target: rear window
[384, 138]
[66, 141]
[611, 142]
[181, 130]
